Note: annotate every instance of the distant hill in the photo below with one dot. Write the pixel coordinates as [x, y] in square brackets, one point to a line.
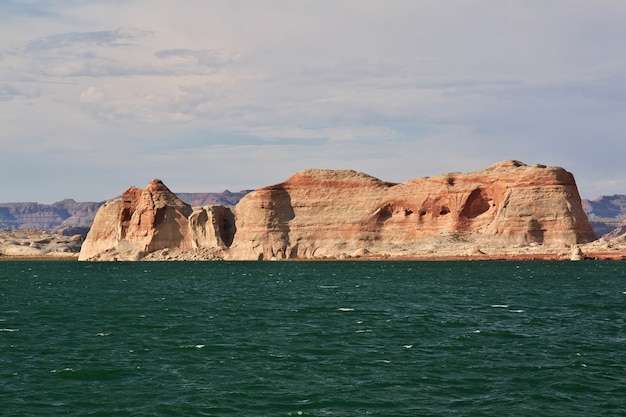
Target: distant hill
[613, 207]
[78, 216]
[225, 198]
[606, 213]
[62, 214]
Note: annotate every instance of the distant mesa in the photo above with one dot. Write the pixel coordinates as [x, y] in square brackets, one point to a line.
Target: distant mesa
[34, 216]
[507, 210]
[225, 198]
[607, 214]
[606, 207]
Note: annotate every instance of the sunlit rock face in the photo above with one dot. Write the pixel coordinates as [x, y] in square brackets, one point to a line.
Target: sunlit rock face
[318, 213]
[140, 222]
[341, 213]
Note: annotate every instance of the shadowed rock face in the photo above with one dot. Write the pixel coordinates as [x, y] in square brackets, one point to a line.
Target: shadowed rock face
[326, 213]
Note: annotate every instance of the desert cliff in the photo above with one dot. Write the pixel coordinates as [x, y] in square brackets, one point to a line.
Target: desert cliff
[507, 209]
[320, 213]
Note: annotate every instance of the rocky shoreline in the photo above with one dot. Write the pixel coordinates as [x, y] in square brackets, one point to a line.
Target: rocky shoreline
[614, 249]
[39, 245]
[53, 245]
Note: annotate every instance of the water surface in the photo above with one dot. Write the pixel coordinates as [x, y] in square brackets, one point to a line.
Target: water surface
[313, 338]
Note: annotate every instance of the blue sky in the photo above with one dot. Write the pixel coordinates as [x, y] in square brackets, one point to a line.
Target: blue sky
[207, 95]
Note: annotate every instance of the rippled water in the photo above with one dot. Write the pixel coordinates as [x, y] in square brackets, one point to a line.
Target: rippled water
[313, 339]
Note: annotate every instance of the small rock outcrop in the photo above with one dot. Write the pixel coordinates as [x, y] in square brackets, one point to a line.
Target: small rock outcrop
[41, 244]
[509, 206]
[147, 220]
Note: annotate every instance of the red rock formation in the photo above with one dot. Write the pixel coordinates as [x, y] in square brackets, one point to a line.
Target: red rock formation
[314, 213]
[505, 209]
[320, 213]
[212, 226]
[140, 222]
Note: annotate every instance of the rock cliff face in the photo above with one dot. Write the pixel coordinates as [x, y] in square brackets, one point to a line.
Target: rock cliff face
[336, 214]
[146, 220]
[328, 213]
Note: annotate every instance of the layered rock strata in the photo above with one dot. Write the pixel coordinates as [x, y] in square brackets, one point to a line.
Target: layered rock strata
[62, 214]
[318, 213]
[337, 214]
[146, 220]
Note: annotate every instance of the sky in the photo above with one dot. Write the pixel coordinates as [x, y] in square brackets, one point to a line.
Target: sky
[208, 95]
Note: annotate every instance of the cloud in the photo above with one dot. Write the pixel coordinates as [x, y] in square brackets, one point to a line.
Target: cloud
[91, 95]
[85, 54]
[8, 92]
[396, 89]
[105, 38]
[204, 58]
[12, 8]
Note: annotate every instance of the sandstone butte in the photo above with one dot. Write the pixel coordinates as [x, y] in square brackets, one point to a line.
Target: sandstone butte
[507, 211]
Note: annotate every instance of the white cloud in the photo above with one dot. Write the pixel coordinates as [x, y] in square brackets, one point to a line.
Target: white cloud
[105, 38]
[91, 95]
